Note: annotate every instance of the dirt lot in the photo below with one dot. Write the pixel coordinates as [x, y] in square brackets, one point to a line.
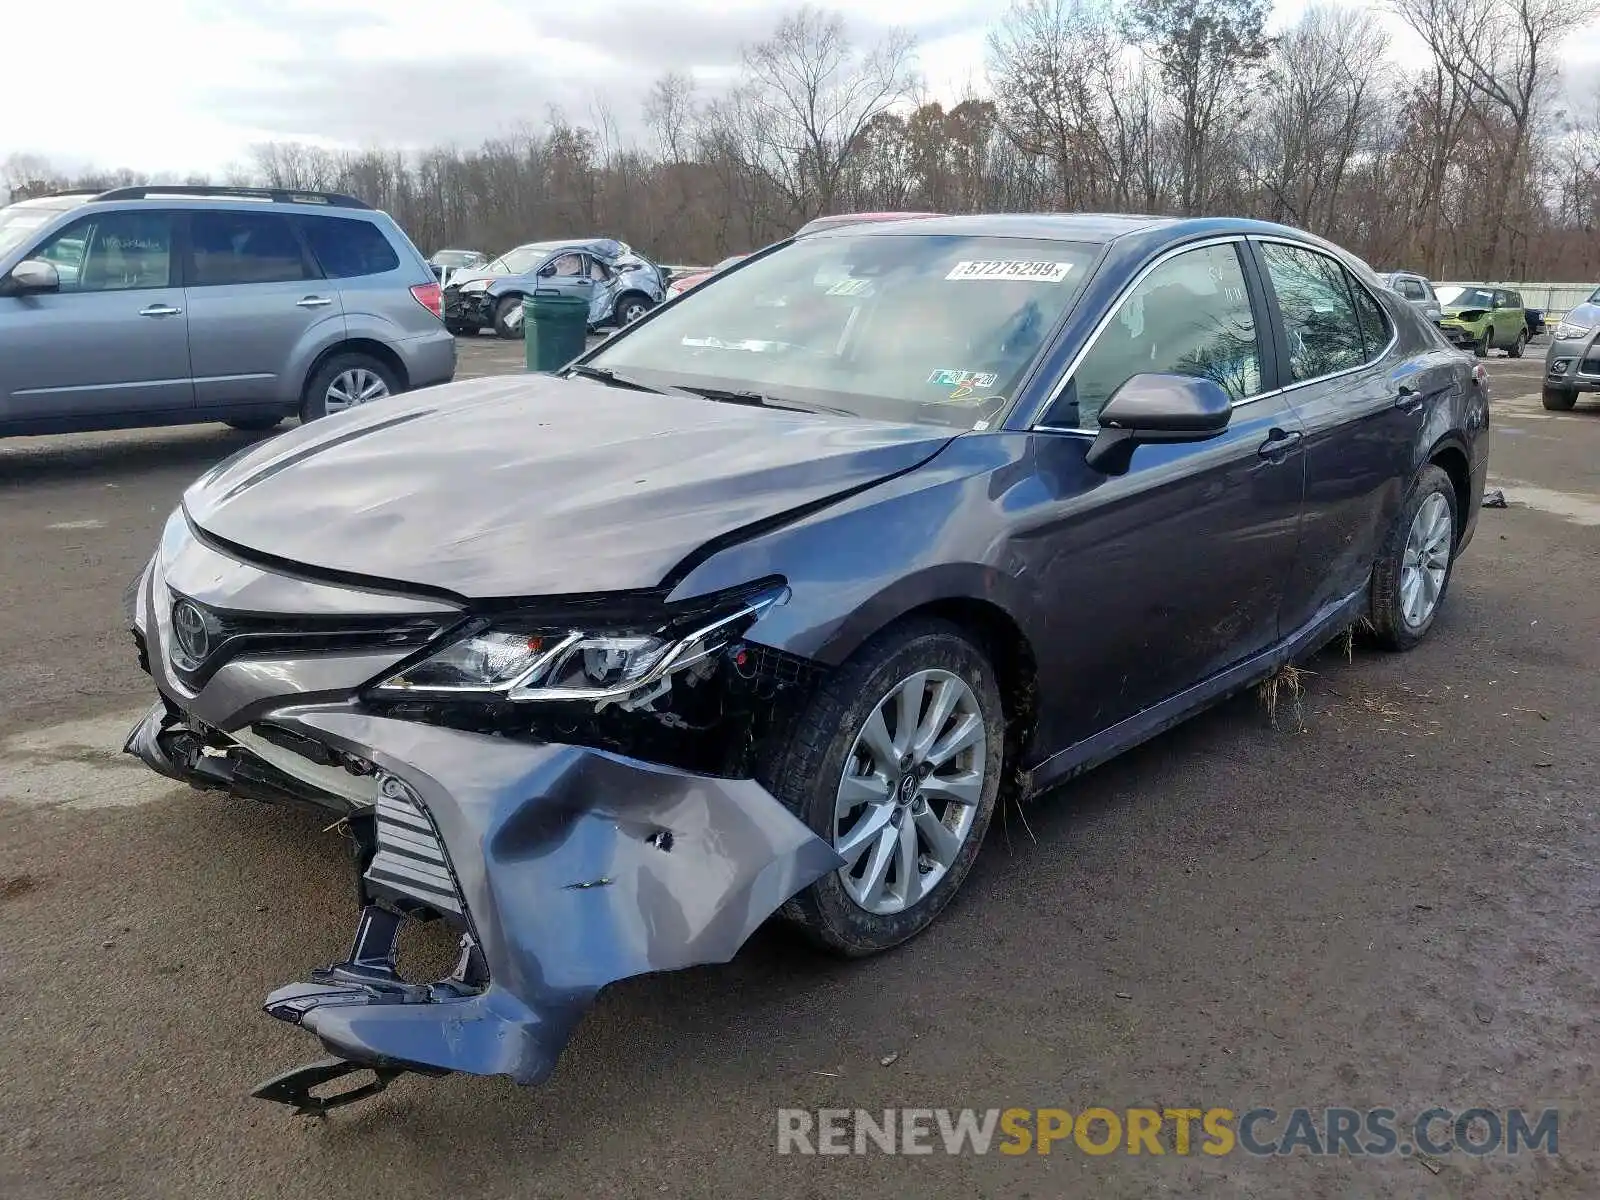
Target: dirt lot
[1396, 905]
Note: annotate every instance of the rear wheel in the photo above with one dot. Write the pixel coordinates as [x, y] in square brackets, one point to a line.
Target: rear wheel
[1482, 348]
[630, 307]
[1559, 399]
[1519, 344]
[896, 763]
[1412, 573]
[508, 318]
[347, 381]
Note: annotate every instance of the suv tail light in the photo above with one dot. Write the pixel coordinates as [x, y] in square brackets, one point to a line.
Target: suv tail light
[429, 296]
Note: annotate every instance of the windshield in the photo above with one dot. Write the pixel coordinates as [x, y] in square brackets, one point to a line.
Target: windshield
[894, 327]
[1594, 296]
[18, 224]
[1456, 296]
[520, 261]
[456, 258]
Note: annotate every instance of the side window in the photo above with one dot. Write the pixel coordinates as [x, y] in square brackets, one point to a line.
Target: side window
[114, 252]
[1319, 316]
[345, 247]
[1514, 299]
[243, 247]
[1371, 318]
[1412, 290]
[598, 271]
[566, 264]
[1189, 316]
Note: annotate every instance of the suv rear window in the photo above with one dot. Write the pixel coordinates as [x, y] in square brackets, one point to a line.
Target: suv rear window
[242, 247]
[346, 247]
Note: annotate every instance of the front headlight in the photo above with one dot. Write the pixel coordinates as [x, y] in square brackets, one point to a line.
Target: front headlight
[528, 660]
[1570, 331]
[476, 285]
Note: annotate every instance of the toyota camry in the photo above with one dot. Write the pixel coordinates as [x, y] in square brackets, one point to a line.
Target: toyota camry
[765, 604]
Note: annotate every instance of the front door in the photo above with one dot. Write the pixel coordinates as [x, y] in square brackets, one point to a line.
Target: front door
[1159, 579]
[255, 299]
[604, 300]
[114, 340]
[568, 274]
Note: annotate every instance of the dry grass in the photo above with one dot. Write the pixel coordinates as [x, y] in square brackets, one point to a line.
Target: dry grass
[1287, 680]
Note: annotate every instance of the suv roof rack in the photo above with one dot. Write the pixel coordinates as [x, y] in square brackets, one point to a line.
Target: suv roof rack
[275, 195]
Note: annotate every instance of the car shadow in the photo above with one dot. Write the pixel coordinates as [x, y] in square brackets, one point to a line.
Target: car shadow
[70, 457]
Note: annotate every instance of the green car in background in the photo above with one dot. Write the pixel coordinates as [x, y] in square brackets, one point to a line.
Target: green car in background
[1480, 318]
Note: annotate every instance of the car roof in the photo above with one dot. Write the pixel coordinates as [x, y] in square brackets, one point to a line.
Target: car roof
[57, 203]
[1081, 227]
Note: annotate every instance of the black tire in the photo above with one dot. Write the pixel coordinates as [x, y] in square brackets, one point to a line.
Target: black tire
[1390, 627]
[313, 401]
[503, 326]
[460, 329]
[1481, 350]
[630, 306]
[1559, 399]
[804, 769]
[1517, 347]
[254, 424]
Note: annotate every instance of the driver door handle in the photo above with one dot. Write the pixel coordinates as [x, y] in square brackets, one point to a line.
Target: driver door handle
[1278, 444]
[160, 310]
[314, 302]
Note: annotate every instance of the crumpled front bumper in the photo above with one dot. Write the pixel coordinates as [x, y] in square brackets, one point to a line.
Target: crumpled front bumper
[467, 308]
[563, 868]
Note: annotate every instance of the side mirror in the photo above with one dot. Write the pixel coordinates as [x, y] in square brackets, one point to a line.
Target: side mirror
[1153, 408]
[33, 275]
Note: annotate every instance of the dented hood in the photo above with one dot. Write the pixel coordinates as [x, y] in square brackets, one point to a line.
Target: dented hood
[534, 485]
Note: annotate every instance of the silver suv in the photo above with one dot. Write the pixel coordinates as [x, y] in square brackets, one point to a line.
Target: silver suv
[170, 305]
[1418, 289]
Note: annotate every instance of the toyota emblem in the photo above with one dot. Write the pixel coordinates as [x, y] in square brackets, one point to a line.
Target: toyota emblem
[190, 629]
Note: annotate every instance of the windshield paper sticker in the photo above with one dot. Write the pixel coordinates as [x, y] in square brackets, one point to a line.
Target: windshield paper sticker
[964, 379]
[850, 287]
[1034, 272]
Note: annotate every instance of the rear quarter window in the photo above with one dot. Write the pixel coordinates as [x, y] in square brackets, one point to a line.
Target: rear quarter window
[346, 248]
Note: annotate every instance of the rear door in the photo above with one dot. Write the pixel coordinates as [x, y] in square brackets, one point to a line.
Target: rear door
[114, 340]
[606, 282]
[1361, 405]
[255, 301]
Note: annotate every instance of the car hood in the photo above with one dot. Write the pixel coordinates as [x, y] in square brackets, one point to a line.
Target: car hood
[528, 486]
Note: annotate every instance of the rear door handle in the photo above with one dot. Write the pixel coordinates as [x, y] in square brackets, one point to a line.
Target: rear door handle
[314, 302]
[1278, 444]
[160, 310]
[1408, 399]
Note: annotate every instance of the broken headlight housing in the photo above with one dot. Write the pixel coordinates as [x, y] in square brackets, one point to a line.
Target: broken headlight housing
[526, 659]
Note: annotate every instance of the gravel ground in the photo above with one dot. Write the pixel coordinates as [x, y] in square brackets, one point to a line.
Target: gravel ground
[1392, 901]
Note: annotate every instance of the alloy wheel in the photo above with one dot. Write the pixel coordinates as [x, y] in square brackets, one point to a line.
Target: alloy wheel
[910, 791]
[356, 386]
[1426, 560]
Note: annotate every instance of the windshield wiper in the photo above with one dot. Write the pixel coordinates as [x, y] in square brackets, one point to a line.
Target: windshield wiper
[609, 377]
[761, 400]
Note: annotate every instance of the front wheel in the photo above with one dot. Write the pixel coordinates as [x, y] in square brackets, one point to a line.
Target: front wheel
[896, 763]
[1412, 573]
[508, 318]
[1559, 399]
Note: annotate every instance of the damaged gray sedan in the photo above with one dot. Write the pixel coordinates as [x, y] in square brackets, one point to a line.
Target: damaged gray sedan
[762, 606]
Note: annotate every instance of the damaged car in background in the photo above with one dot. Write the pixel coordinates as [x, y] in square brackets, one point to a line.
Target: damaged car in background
[762, 606]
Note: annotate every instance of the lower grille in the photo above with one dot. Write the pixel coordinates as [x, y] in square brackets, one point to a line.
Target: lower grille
[409, 865]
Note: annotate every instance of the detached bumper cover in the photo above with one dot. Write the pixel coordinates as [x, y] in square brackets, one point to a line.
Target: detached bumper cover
[571, 869]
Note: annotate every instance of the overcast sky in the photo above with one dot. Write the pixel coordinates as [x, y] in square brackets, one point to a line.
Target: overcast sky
[176, 85]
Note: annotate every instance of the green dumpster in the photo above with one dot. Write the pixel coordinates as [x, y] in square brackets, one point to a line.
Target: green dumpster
[554, 329]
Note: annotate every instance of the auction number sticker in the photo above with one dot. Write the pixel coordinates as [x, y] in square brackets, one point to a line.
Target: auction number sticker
[1034, 272]
[964, 379]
